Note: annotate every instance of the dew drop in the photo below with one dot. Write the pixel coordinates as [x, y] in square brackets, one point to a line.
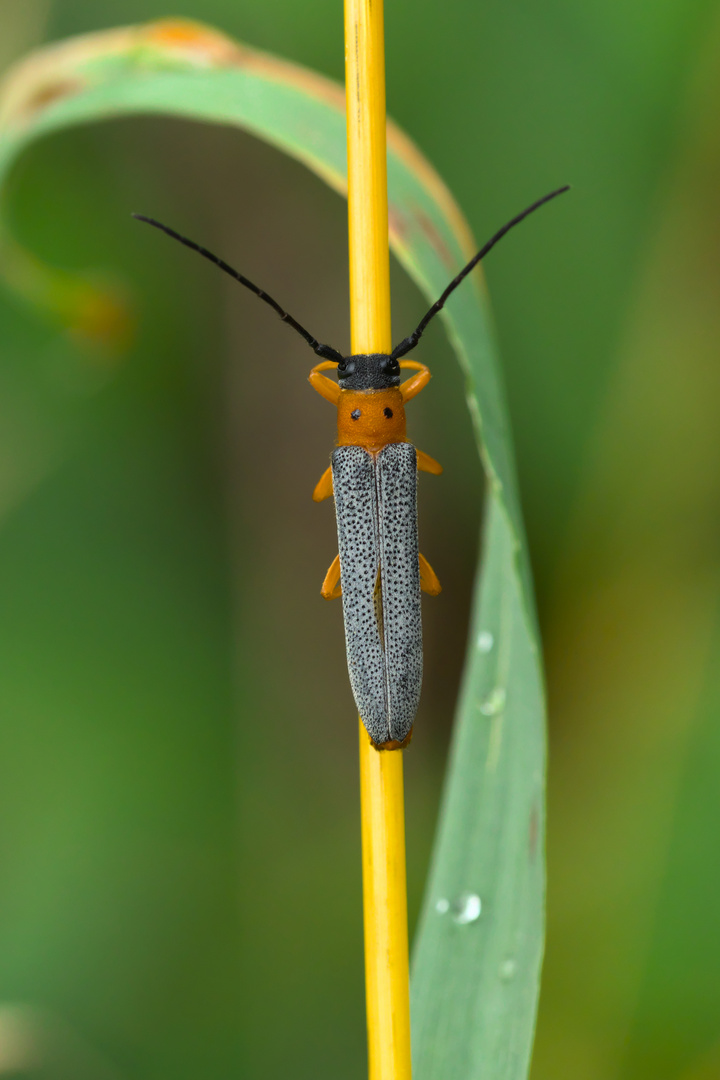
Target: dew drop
[485, 641]
[494, 703]
[442, 906]
[467, 908]
[508, 969]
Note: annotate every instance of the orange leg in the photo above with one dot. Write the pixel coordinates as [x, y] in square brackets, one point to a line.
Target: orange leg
[425, 464]
[411, 387]
[428, 578]
[325, 387]
[324, 486]
[330, 589]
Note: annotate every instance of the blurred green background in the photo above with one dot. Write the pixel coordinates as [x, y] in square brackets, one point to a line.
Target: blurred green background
[179, 839]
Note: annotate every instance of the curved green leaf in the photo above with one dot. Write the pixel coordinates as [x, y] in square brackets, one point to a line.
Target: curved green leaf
[479, 944]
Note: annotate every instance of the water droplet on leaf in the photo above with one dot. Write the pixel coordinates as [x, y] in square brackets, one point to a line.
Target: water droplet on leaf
[494, 703]
[467, 908]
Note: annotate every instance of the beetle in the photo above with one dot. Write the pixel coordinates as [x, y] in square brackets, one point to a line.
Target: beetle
[379, 570]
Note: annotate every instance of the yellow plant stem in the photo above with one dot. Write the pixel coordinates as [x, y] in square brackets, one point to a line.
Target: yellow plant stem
[381, 772]
[387, 985]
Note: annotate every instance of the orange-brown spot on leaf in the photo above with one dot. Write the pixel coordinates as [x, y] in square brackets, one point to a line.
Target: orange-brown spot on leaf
[50, 92]
[103, 318]
[193, 40]
[397, 222]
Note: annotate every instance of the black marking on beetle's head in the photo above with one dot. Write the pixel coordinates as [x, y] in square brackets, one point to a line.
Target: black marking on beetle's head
[368, 371]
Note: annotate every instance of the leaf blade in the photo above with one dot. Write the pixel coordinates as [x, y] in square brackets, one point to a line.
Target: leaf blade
[475, 979]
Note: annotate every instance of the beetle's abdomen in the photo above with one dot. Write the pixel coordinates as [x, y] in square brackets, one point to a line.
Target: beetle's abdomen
[376, 508]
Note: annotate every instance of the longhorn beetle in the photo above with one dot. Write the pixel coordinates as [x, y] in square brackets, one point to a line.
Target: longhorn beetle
[379, 570]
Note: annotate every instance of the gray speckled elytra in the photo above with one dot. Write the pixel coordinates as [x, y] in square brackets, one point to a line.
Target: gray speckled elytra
[376, 510]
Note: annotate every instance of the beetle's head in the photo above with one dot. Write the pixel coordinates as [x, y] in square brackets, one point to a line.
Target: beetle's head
[373, 371]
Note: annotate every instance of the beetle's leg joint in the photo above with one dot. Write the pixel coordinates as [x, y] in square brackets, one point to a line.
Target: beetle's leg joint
[331, 589]
[411, 387]
[428, 578]
[427, 464]
[325, 387]
[324, 486]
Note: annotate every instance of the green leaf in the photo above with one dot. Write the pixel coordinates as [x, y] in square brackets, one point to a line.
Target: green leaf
[479, 944]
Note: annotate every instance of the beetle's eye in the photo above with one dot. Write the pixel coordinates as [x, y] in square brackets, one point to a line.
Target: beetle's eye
[355, 414]
[345, 368]
[388, 366]
[388, 413]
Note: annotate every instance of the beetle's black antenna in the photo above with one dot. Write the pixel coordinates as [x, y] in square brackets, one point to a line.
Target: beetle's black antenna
[326, 351]
[411, 341]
